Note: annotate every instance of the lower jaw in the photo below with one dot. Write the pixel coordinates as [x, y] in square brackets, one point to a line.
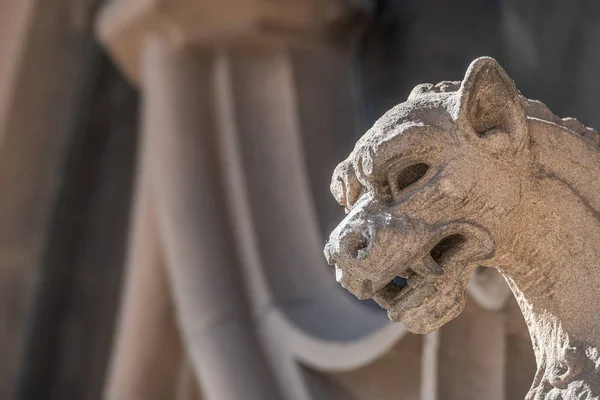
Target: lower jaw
[398, 313]
[418, 319]
[386, 301]
[414, 322]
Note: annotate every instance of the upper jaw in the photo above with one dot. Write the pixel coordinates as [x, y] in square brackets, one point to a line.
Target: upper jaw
[386, 291]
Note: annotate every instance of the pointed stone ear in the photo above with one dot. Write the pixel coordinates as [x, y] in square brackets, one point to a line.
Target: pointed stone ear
[490, 109]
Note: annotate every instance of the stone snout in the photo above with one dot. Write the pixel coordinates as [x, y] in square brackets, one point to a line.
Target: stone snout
[371, 250]
[348, 250]
[404, 264]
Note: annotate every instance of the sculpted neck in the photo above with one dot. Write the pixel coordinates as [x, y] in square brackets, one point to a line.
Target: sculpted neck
[553, 263]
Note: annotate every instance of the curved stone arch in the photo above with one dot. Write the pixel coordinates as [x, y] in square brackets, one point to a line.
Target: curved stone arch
[333, 355]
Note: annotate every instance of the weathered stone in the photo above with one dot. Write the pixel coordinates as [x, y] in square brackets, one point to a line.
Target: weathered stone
[467, 174]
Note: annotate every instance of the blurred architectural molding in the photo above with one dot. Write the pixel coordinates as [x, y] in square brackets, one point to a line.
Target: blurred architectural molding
[123, 25]
[37, 123]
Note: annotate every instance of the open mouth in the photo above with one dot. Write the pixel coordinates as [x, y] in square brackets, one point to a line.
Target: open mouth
[396, 288]
[431, 267]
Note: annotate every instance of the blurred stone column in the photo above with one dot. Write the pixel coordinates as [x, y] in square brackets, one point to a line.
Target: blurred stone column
[147, 352]
[187, 180]
[265, 109]
[286, 114]
[471, 356]
[43, 61]
[520, 360]
[288, 108]
[187, 384]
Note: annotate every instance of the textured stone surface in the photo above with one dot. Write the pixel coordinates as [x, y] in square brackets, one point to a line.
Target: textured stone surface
[467, 174]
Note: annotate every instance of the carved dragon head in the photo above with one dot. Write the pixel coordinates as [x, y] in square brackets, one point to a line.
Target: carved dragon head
[430, 192]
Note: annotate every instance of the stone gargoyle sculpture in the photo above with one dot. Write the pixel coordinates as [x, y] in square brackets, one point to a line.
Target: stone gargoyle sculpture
[467, 174]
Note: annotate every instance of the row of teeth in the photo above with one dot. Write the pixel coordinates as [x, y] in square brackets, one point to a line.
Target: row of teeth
[401, 281]
[392, 290]
[427, 267]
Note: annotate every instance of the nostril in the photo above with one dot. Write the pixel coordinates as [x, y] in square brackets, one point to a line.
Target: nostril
[350, 244]
[330, 260]
[359, 245]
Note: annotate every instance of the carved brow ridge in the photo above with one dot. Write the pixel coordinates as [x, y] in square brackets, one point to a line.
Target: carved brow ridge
[365, 182]
[384, 151]
[376, 152]
[346, 187]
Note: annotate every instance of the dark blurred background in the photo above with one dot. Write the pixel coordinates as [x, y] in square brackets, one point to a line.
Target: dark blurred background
[288, 86]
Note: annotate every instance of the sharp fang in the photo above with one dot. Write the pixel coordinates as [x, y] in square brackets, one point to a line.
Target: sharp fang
[387, 294]
[428, 267]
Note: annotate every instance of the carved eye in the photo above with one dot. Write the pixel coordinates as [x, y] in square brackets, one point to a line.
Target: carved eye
[410, 175]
